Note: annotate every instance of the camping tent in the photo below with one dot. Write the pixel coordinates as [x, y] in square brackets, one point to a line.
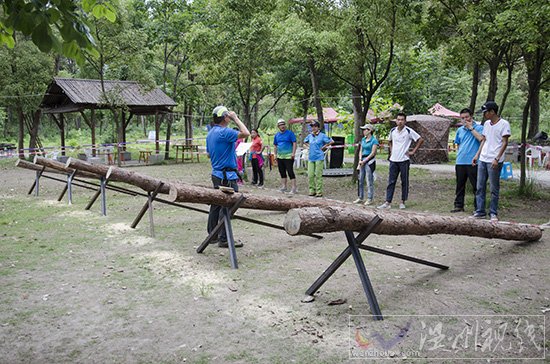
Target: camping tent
[440, 110]
[435, 132]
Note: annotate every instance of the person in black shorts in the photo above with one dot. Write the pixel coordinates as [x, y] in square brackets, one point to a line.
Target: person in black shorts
[285, 149]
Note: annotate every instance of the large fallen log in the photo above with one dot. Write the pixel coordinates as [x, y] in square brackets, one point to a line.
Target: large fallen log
[21, 163]
[333, 215]
[183, 192]
[113, 173]
[327, 219]
[58, 166]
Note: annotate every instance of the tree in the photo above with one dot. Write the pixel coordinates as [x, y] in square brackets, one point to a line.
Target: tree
[368, 33]
[24, 77]
[61, 25]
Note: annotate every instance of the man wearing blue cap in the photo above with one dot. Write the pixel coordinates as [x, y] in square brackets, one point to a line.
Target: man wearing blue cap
[220, 146]
[489, 159]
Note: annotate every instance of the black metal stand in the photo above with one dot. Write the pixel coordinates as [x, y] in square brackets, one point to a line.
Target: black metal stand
[151, 196]
[68, 187]
[36, 183]
[227, 213]
[354, 244]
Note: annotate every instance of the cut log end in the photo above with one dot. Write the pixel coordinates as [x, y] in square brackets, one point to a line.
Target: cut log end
[292, 222]
[173, 195]
[109, 171]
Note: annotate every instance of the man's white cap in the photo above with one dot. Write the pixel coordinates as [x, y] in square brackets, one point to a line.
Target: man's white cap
[281, 122]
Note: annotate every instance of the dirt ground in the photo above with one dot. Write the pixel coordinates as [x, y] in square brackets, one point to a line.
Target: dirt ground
[78, 287]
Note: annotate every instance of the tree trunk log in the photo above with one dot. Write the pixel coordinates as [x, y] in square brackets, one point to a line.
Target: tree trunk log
[116, 174]
[182, 192]
[22, 163]
[317, 220]
[53, 164]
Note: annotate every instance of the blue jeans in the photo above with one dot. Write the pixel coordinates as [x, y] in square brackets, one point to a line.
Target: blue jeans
[214, 213]
[397, 168]
[486, 172]
[368, 172]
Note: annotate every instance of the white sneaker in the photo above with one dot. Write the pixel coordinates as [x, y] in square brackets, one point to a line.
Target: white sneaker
[385, 205]
[358, 201]
[494, 218]
[369, 202]
[293, 191]
[402, 206]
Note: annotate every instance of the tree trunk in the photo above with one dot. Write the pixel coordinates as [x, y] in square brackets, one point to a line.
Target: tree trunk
[510, 70]
[534, 120]
[60, 167]
[358, 120]
[21, 135]
[475, 85]
[22, 163]
[534, 61]
[168, 135]
[142, 181]
[317, 220]
[33, 132]
[522, 148]
[315, 86]
[157, 133]
[62, 132]
[493, 81]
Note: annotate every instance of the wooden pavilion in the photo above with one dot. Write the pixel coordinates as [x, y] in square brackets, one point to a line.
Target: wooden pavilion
[68, 95]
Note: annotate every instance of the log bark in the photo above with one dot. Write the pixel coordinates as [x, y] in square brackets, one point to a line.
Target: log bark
[182, 192]
[113, 173]
[53, 164]
[22, 163]
[327, 219]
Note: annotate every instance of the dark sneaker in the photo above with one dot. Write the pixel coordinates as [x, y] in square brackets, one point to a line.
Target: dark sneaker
[312, 194]
[319, 195]
[260, 185]
[478, 215]
[458, 209]
[224, 244]
[494, 217]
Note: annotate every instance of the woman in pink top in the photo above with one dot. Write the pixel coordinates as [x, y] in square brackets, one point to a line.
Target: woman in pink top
[256, 158]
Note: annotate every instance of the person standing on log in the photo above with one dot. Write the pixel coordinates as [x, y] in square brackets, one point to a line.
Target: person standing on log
[400, 140]
[318, 143]
[489, 159]
[468, 138]
[256, 158]
[367, 164]
[220, 146]
[284, 148]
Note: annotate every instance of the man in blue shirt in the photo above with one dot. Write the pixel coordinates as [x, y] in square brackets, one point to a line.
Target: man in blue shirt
[318, 143]
[467, 138]
[220, 146]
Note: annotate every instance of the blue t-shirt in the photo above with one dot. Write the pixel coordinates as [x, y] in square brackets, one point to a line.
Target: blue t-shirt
[367, 146]
[220, 145]
[467, 144]
[284, 142]
[315, 144]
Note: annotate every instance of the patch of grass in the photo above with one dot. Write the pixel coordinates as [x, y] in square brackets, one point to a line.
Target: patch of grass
[243, 356]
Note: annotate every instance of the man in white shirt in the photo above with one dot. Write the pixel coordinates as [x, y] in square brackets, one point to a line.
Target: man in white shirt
[400, 140]
[489, 159]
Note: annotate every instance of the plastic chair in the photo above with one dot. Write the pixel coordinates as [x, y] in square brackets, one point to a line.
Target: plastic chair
[506, 171]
